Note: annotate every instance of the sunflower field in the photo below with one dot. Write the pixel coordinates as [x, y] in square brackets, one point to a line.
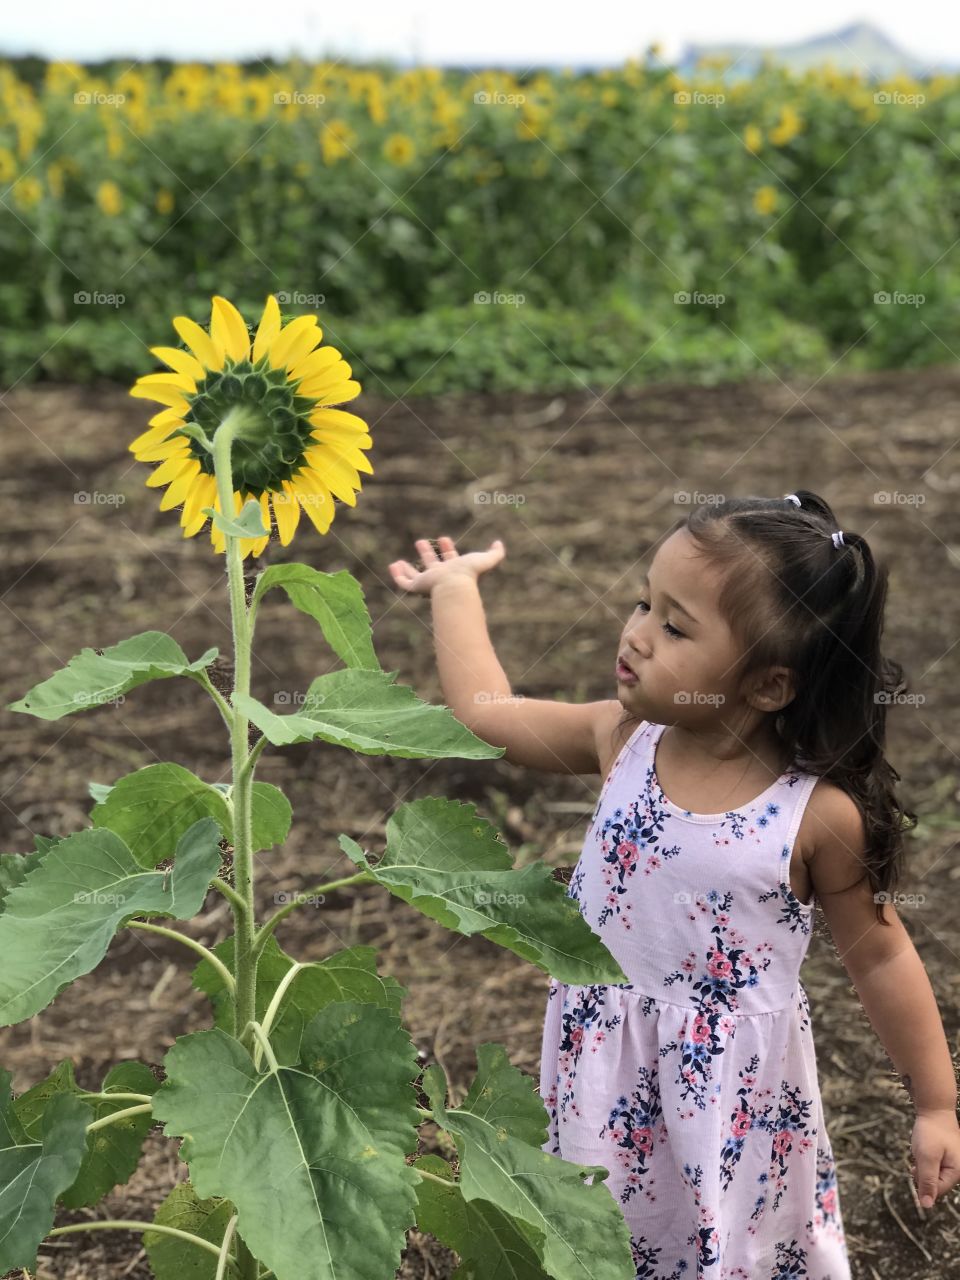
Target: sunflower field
[490, 230]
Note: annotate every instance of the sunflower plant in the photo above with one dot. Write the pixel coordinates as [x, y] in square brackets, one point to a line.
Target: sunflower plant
[299, 1109]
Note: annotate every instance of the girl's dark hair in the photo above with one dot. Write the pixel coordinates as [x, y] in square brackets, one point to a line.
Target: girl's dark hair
[792, 598]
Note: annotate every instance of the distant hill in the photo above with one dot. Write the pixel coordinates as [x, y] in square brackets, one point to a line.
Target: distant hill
[860, 47]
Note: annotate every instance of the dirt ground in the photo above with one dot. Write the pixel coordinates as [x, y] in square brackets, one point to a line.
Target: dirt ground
[597, 479]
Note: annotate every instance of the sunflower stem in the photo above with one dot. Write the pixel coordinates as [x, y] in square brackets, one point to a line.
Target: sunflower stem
[245, 958]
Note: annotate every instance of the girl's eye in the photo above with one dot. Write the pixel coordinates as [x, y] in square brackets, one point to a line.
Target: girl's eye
[670, 630]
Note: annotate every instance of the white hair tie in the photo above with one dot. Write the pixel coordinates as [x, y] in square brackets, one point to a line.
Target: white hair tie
[792, 497]
[838, 538]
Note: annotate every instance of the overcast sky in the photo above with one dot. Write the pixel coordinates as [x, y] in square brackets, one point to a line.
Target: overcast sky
[436, 31]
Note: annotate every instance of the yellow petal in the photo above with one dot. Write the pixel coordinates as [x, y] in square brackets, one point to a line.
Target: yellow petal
[338, 395]
[287, 512]
[164, 417]
[157, 452]
[337, 436]
[169, 379]
[169, 395]
[201, 495]
[206, 349]
[349, 453]
[325, 379]
[180, 361]
[337, 418]
[178, 489]
[228, 330]
[170, 469]
[315, 498]
[337, 474]
[267, 330]
[291, 340]
[315, 363]
[152, 437]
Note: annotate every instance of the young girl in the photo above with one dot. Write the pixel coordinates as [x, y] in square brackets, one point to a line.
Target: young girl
[745, 781]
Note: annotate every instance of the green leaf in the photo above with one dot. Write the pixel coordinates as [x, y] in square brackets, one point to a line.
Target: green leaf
[366, 711]
[90, 679]
[499, 1131]
[332, 1133]
[335, 600]
[450, 864]
[346, 975]
[58, 923]
[113, 1152]
[14, 869]
[173, 1259]
[248, 524]
[490, 1242]
[151, 808]
[99, 790]
[34, 1173]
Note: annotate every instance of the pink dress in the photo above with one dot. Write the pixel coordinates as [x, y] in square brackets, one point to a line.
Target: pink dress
[695, 1083]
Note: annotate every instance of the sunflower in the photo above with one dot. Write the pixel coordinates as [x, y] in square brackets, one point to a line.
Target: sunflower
[294, 451]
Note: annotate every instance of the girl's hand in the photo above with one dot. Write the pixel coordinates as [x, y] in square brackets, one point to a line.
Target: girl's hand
[936, 1151]
[452, 565]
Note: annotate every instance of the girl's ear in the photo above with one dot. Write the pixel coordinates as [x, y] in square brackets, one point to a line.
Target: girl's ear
[772, 689]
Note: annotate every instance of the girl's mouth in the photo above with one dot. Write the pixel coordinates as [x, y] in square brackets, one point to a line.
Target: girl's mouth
[624, 673]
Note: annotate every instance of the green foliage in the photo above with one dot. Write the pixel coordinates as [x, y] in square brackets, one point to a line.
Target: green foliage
[173, 1259]
[335, 600]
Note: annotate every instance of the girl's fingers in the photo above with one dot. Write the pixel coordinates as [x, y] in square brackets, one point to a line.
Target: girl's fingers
[427, 553]
[447, 548]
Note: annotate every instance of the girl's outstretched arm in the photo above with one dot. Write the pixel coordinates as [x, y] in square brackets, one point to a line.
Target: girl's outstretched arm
[893, 987]
[557, 737]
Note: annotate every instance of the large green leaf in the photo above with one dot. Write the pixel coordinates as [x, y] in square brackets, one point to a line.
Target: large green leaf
[579, 1230]
[151, 808]
[34, 1173]
[451, 865]
[366, 711]
[58, 923]
[335, 600]
[491, 1244]
[173, 1259]
[312, 1156]
[14, 869]
[346, 975]
[89, 679]
[114, 1151]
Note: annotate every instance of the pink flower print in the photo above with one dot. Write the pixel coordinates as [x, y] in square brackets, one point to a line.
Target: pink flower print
[782, 1142]
[576, 1035]
[627, 853]
[830, 1200]
[723, 918]
[643, 1139]
[741, 1124]
[652, 863]
[701, 1030]
[747, 959]
[718, 966]
[726, 1025]
[687, 965]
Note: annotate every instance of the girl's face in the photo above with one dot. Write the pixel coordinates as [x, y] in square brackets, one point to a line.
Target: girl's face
[677, 643]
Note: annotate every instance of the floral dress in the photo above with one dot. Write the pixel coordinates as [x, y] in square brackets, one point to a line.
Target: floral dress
[695, 1083]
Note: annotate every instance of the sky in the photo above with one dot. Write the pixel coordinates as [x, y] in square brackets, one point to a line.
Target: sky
[536, 32]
